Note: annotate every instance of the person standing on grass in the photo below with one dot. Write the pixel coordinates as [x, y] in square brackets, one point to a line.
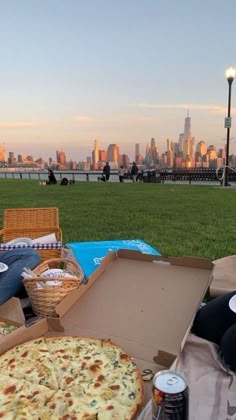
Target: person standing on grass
[107, 171]
[121, 173]
[134, 172]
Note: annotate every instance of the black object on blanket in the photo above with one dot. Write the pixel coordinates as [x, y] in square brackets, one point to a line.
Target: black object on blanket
[214, 319]
[228, 348]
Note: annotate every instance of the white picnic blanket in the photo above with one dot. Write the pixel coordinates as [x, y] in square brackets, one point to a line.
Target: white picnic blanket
[212, 388]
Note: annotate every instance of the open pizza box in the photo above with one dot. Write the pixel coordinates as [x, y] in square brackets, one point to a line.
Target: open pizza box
[143, 303]
[11, 313]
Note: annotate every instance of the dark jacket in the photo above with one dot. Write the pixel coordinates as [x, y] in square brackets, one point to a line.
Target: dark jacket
[134, 169]
[51, 178]
[107, 169]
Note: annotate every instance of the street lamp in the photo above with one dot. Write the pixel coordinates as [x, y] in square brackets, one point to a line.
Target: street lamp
[229, 74]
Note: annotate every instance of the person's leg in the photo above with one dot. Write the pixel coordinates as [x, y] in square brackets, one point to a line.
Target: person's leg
[11, 280]
[214, 319]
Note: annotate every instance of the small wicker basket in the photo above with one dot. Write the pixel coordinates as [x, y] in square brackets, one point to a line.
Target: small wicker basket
[44, 297]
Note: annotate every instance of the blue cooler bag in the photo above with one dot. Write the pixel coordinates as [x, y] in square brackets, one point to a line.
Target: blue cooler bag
[90, 254]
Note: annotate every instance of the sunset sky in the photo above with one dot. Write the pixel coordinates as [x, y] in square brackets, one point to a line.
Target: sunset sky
[72, 71]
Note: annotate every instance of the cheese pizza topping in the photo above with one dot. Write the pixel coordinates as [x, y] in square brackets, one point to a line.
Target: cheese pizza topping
[60, 378]
[6, 328]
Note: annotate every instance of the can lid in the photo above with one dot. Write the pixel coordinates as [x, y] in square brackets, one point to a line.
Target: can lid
[169, 381]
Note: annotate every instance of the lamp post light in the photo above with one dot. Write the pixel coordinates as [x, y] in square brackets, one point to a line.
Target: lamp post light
[230, 75]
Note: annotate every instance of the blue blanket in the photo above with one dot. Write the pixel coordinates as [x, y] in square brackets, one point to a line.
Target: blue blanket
[90, 254]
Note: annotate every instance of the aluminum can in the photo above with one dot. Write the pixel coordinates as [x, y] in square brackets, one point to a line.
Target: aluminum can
[170, 396]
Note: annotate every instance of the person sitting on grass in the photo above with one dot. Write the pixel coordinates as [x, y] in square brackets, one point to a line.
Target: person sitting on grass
[51, 178]
[11, 279]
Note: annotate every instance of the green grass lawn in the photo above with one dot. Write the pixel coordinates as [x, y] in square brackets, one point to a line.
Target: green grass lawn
[175, 219]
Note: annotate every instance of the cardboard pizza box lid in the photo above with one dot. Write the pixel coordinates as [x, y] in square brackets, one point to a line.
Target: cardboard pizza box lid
[143, 303]
[12, 313]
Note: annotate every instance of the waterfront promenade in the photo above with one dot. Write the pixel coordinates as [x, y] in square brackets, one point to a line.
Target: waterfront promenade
[183, 176]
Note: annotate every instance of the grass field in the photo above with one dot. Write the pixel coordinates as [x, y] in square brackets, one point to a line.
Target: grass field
[176, 220]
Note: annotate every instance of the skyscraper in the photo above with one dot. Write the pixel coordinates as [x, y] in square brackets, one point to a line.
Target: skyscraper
[181, 143]
[187, 127]
[61, 158]
[102, 155]
[95, 154]
[2, 153]
[11, 158]
[201, 148]
[153, 144]
[170, 153]
[137, 151]
[188, 147]
[152, 155]
[137, 156]
[113, 153]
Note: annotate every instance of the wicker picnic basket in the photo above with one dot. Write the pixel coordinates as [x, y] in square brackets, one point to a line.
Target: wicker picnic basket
[32, 223]
[43, 295]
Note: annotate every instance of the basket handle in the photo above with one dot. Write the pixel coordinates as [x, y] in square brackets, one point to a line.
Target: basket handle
[68, 260]
[45, 279]
[61, 260]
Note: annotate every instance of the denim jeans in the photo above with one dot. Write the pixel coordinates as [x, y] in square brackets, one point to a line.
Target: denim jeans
[11, 280]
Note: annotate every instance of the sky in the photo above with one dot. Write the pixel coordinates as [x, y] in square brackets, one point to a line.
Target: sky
[72, 71]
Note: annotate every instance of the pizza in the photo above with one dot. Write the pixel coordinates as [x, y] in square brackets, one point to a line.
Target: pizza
[6, 328]
[69, 378]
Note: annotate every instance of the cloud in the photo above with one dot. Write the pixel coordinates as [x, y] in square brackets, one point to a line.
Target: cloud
[212, 109]
[134, 118]
[114, 118]
[82, 118]
[17, 124]
[39, 124]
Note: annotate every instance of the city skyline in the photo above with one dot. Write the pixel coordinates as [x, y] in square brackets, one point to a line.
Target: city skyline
[186, 145]
[117, 72]
[185, 153]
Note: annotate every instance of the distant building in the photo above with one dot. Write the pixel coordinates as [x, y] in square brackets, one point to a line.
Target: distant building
[113, 153]
[175, 148]
[188, 147]
[221, 153]
[11, 158]
[170, 153]
[212, 153]
[3, 156]
[201, 148]
[152, 155]
[84, 165]
[61, 159]
[102, 155]
[137, 151]
[21, 158]
[29, 158]
[178, 162]
[95, 154]
[72, 165]
[181, 143]
[124, 161]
